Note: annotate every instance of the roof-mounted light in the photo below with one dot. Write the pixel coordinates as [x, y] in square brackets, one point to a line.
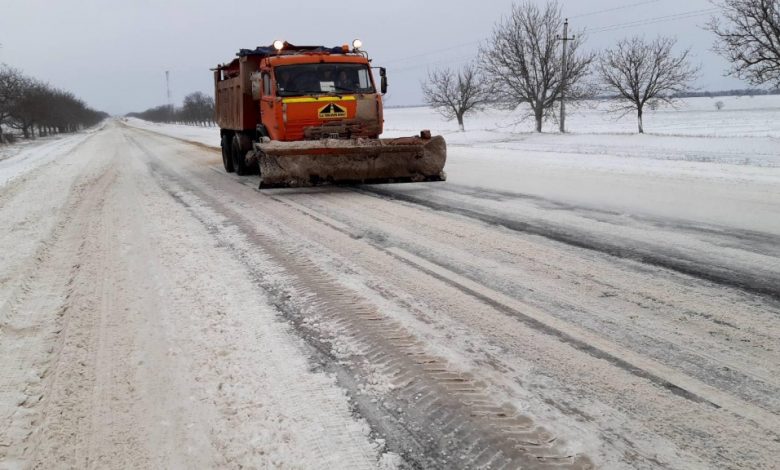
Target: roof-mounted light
[357, 44]
[278, 45]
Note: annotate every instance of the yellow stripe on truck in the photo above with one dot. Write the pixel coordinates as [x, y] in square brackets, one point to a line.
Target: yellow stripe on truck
[322, 99]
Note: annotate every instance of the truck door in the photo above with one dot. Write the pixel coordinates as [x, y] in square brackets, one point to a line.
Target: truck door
[268, 105]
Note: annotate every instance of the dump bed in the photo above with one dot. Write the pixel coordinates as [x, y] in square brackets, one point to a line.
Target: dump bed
[234, 107]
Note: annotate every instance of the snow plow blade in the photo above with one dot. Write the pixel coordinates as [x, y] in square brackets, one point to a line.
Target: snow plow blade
[354, 161]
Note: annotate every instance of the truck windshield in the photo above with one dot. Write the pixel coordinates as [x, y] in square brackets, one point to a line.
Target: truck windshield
[311, 79]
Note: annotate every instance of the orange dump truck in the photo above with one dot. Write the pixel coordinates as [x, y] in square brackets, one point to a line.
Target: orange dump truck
[305, 115]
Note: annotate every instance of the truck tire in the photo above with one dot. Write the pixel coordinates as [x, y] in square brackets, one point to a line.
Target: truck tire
[262, 133]
[239, 157]
[227, 155]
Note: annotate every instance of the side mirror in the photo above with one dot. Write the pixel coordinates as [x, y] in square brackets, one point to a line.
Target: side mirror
[383, 84]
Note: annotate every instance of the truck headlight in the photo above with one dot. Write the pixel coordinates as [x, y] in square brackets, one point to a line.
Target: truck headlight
[357, 44]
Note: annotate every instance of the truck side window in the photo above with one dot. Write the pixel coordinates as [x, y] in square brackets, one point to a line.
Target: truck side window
[364, 82]
[266, 84]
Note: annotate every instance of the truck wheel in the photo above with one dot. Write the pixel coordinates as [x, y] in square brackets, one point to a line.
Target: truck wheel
[245, 144]
[239, 157]
[253, 168]
[227, 156]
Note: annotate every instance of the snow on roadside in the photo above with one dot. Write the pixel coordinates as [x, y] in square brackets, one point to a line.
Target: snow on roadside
[20, 158]
[203, 135]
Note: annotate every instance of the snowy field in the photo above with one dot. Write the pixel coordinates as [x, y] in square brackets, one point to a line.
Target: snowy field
[740, 117]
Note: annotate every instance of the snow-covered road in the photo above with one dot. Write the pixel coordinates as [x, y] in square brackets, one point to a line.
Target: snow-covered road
[155, 311]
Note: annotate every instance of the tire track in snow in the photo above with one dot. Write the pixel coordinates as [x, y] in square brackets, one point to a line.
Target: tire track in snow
[664, 376]
[678, 428]
[571, 284]
[759, 284]
[728, 236]
[448, 414]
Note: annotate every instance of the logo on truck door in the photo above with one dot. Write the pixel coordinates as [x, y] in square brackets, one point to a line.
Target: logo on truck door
[332, 111]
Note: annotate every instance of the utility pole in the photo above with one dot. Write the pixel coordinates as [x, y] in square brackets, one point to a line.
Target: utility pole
[565, 38]
[168, 90]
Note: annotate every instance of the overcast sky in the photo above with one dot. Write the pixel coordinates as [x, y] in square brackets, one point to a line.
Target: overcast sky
[114, 53]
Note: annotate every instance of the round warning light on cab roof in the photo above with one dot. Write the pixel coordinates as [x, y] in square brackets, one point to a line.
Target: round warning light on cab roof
[278, 45]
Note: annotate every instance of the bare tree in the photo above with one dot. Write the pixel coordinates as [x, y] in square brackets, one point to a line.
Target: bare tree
[750, 39]
[29, 105]
[162, 113]
[11, 89]
[455, 93]
[197, 108]
[522, 60]
[642, 72]
[719, 105]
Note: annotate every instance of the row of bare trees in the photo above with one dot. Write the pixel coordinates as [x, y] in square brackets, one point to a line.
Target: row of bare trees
[521, 64]
[32, 107]
[197, 109]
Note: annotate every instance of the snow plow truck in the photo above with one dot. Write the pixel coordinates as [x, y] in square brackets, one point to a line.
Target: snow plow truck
[308, 115]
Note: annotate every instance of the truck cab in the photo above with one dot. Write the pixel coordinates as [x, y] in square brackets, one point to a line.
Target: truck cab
[311, 97]
[299, 93]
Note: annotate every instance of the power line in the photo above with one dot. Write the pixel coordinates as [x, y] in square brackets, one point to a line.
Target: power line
[431, 52]
[613, 27]
[472, 43]
[658, 19]
[431, 64]
[607, 10]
